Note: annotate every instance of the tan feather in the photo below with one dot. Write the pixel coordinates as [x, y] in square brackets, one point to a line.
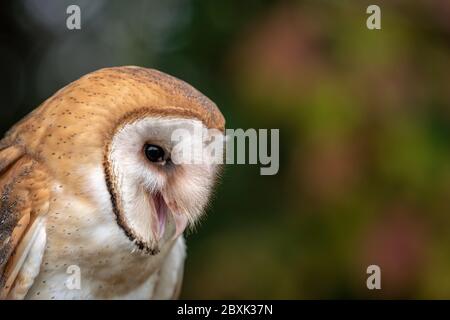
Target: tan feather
[23, 198]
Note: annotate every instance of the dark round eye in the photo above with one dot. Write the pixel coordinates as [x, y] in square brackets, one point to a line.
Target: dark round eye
[154, 153]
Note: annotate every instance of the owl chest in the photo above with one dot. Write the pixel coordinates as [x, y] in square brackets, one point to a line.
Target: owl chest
[88, 256]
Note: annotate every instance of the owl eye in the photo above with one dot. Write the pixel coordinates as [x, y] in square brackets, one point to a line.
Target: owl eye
[154, 153]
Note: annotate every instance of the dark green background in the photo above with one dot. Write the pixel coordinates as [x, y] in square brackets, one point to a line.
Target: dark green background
[364, 119]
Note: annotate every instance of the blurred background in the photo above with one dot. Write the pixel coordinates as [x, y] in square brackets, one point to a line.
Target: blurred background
[364, 119]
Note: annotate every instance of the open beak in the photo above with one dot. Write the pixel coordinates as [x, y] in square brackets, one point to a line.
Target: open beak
[161, 210]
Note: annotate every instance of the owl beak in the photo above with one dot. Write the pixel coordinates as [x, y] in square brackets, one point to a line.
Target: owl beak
[181, 222]
[161, 209]
[179, 217]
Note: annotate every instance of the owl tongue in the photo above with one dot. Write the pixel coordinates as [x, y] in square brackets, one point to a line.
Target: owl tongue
[160, 209]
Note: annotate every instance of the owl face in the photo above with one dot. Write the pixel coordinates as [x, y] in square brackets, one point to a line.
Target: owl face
[154, 196]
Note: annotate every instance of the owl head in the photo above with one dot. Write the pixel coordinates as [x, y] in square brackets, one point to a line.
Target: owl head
[108, 138]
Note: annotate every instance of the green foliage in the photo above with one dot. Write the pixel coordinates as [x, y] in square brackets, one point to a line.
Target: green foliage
[364, 124]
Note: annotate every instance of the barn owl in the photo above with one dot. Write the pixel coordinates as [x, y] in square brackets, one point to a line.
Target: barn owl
[87, 185]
